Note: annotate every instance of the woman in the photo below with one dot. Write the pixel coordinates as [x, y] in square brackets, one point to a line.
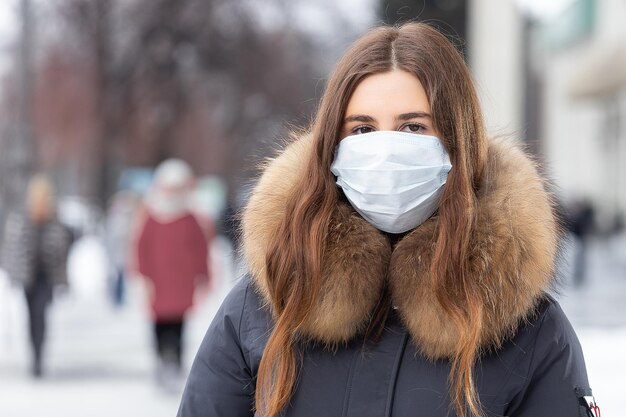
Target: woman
[172, 254]
[35, 256]
[398, 261]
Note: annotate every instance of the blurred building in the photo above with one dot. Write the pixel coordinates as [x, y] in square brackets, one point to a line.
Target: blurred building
[495, 56]
[554, 75]
[582, 53]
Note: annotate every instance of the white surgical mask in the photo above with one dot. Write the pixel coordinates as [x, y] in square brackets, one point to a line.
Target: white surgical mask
[393, 179]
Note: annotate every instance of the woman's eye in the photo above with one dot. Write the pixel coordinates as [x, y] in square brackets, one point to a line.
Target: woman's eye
[413, 128]
[359, 130]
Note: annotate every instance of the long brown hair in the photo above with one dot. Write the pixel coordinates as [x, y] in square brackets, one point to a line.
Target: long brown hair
[294, 256]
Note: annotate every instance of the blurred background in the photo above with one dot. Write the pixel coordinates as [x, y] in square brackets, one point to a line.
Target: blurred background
[97, 93]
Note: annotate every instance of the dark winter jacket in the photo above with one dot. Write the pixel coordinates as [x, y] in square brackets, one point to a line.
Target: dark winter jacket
[532, 365]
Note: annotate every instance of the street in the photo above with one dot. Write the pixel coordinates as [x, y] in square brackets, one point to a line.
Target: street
[99, 358]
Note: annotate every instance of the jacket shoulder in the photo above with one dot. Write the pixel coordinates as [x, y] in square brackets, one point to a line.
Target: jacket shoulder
[244, 309]
[554, 318]
[554, 331]
[546, 334]
[243, 304]
[221, 379]
[552, 369]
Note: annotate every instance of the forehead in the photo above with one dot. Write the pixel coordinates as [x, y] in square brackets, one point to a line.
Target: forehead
[395, 91]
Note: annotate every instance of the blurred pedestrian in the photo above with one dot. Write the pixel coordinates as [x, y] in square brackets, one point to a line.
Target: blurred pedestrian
[581, 224]
[172, 254]
[35, 256]
[399, 260]
[119, 225]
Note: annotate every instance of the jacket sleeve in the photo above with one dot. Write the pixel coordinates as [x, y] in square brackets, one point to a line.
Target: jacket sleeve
[556, 373]
[15, 253]
[221, 383]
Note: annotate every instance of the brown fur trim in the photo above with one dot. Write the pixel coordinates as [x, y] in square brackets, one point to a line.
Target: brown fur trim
[356, 261]
[512, 254]
[265, 210]
[354, 271]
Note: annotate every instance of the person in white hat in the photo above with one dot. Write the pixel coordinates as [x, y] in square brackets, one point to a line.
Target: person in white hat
[172, 252]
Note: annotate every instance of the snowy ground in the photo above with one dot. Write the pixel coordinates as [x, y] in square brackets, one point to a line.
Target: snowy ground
[100, 361]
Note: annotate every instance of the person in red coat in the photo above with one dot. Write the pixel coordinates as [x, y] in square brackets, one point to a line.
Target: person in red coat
[172, 254]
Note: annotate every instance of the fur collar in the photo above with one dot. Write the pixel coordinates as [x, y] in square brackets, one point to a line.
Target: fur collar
[512, 254]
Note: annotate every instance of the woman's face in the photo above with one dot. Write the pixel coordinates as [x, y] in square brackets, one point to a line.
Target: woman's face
[393, 100]
[40, 207]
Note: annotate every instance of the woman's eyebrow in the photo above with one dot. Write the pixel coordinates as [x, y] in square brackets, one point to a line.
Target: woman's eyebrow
[359, 118]
[413, 115]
